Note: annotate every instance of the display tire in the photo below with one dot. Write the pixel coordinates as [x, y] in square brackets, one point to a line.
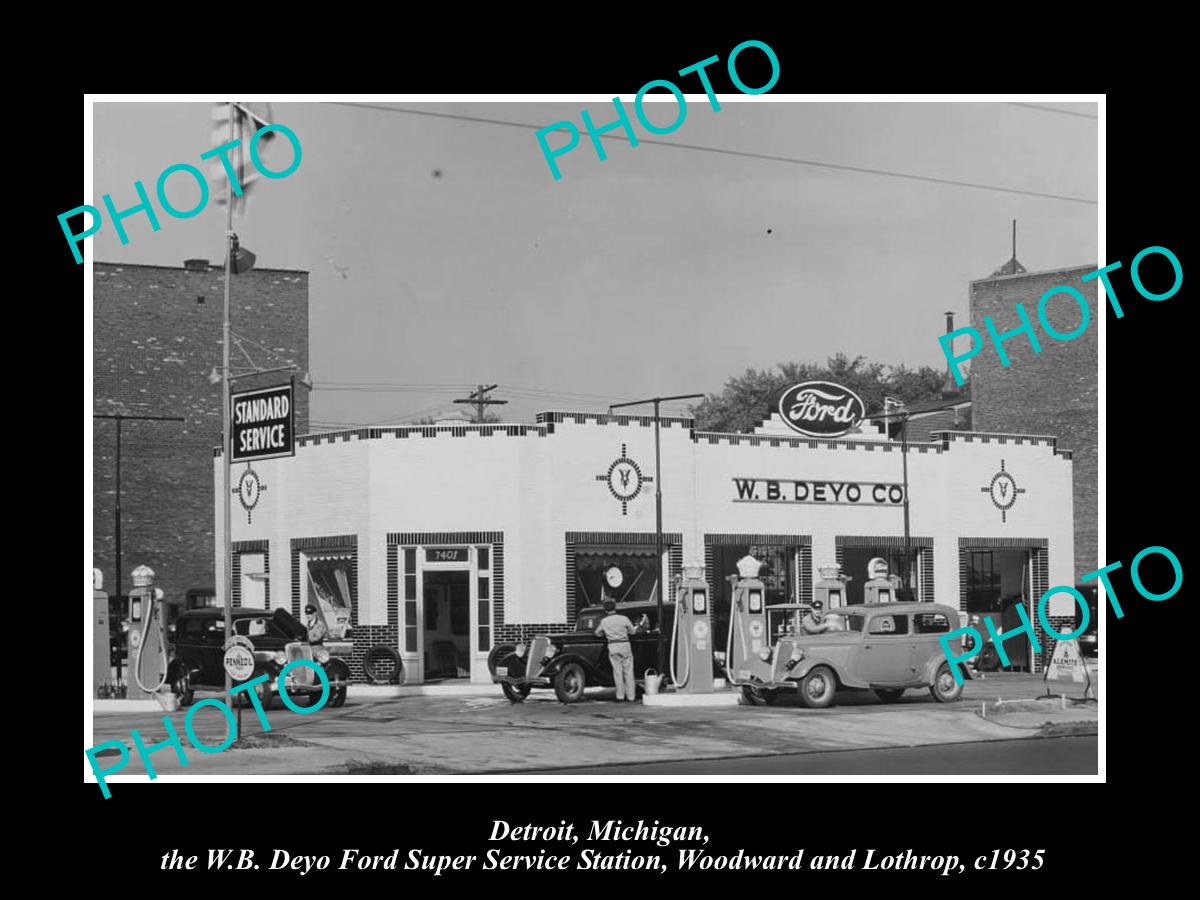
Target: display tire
[818, 687]
[889, 695]
[374, 664]
[944, 688]
[516, 693]
[569, 683]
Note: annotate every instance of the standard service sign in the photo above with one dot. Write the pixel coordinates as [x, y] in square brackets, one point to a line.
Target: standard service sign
[239, 662]
[821, 409]
[264, 424]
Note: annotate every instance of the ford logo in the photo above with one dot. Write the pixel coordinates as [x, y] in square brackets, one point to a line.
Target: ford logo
[821, 408]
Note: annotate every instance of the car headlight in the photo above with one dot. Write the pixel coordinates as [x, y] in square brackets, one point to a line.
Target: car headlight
[797, 654]
[280, 658]
[550, 652]
[519, 650]
[321, 655]
[765, 654]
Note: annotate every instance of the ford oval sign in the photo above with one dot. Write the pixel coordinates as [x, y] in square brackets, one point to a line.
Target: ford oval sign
[821, 409]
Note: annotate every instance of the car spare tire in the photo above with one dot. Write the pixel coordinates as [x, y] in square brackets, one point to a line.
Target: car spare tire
[382, 665]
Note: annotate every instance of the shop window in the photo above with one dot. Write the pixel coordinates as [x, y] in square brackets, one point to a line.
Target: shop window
[484, 558]
[253, 582]
[624, 573]
[329, 590]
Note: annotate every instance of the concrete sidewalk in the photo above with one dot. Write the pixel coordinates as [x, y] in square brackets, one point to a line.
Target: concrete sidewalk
[459, 734]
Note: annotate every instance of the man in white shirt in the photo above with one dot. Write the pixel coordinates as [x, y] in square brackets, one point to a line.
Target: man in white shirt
[617, 629]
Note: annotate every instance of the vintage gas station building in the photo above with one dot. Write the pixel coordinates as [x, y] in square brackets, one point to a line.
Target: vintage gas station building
[445, 540]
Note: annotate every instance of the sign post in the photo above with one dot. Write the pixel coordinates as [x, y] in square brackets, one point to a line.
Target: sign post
[239, 666]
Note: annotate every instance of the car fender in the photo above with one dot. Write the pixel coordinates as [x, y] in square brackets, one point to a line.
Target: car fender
[809, 663]
[934, 663]
[176, 664]
[338, 665]
[552, 668]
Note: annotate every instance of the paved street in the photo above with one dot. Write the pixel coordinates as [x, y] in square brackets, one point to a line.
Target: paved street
[458, 734]
[1042, 756]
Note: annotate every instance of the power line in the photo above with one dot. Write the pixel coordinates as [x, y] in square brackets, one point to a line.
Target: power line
[479, 120]
[1055, 109]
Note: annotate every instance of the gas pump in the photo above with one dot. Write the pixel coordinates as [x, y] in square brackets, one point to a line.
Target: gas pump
[757, 657]
[880, 587]
[691, 641]
[147, 636]
[831, 588]
[101, 644]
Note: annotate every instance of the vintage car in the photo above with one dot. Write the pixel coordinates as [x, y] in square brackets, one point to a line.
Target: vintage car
[278, 637]
[577, 660]
[887, 648]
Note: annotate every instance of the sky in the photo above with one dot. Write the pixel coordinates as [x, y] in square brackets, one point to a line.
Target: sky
[444, 254]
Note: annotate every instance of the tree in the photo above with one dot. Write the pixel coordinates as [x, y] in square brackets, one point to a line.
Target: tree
[744, 402]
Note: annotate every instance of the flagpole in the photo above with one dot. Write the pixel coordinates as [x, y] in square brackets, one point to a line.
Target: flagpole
[226, 442]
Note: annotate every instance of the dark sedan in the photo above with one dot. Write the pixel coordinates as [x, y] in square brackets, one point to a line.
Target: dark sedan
[576, 660]
[277, 638]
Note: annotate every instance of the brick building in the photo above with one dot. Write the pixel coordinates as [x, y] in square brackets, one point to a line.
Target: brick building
[1053, 392]
[156, 340]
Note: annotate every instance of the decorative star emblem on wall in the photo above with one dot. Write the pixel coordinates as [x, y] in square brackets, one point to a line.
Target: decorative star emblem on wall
[624, 479]
[1003, 490]
[248, 491]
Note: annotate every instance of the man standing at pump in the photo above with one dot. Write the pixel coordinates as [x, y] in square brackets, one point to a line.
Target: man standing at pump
[617, 629]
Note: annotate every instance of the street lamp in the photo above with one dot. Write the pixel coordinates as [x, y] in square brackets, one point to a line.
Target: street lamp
[658, 541]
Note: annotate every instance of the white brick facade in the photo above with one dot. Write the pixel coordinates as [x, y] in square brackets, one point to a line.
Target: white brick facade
[520, 491]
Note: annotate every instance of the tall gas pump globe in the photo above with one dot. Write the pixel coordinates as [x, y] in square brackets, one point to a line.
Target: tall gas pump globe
[881, 586]
[691, 650]
[147, 641]
[830, 590]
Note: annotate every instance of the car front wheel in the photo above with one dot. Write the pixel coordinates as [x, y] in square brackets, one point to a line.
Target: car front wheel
[181, 686]
[945, 689]
[818, 687]
[338, 674]
[569, 683]
[516, 693]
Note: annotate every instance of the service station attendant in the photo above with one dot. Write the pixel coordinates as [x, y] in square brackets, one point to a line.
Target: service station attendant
[440, 542]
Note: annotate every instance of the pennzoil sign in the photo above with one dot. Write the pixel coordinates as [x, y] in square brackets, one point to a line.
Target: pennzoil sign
[821, 409]
[264, 424]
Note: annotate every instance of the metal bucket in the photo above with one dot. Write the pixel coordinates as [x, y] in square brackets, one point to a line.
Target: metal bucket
[653, 682]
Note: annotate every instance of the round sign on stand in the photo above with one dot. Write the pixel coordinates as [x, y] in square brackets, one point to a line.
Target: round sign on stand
[239, 662]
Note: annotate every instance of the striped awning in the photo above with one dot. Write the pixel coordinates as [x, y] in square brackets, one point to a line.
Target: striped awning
[616, 550]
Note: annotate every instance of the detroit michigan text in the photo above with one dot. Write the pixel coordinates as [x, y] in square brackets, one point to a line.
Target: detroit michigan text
[612, 831]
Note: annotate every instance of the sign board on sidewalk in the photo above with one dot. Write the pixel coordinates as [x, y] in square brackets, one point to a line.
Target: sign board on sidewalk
[1067, 664]
[264, 423]
[239, 662]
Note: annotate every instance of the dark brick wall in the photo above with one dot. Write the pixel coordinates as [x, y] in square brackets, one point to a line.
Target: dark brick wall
[154, 345]
[1054, 392]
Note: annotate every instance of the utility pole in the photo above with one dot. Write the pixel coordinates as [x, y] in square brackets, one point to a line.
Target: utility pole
[480, 400]
[119, 418]
[658, 529]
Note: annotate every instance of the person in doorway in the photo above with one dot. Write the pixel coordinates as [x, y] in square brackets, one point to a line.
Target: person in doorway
[315, 625]
[617, 629]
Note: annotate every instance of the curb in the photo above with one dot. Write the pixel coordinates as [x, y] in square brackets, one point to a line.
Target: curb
[357, 691]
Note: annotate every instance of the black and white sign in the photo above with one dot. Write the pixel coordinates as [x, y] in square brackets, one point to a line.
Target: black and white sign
[264, 424]
[821, 408]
